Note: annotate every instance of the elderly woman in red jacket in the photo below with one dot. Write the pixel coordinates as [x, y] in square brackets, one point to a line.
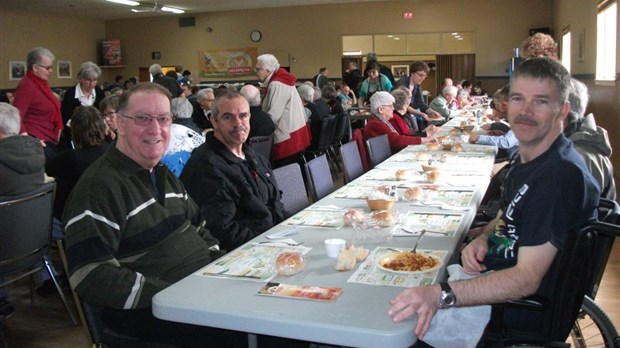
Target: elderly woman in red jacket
[382, 108]
[38, 106]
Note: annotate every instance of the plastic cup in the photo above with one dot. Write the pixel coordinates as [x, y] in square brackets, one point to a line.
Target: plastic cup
[333, 246]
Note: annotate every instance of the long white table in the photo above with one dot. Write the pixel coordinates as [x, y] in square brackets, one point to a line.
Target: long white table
[359, 317]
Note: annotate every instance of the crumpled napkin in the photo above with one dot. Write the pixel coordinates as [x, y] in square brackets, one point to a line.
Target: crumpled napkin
[459, 326]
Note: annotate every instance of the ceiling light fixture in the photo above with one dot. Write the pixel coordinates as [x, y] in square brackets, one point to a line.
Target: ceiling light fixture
[172, 9]
[125, 2]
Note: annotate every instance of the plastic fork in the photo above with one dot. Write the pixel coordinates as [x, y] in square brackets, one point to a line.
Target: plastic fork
[415, 246]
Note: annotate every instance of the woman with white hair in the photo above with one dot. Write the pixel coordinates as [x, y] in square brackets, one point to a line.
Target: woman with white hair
[38, 106]
[85, 93]
[382, 108]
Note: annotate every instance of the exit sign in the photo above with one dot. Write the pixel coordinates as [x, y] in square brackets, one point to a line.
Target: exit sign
[407, 15]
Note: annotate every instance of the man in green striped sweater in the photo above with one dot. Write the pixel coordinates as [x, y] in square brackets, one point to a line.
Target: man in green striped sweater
[132, 230]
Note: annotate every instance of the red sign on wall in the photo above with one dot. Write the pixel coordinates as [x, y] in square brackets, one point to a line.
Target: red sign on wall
[407, 15]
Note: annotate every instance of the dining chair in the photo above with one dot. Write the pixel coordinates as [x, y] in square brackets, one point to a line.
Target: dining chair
[25, 236]
[262, 145]
[358, 137]
[319, 178]
[378, 149]
[291, 183]
[351, 161]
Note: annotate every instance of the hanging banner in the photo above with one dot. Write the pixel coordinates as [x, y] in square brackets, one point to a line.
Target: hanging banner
[227, 62]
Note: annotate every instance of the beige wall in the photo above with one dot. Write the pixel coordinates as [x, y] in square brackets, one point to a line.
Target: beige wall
[604, 100]
[311, 35]
[69, 38]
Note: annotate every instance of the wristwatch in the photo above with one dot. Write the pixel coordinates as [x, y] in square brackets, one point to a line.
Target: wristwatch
[447, 298]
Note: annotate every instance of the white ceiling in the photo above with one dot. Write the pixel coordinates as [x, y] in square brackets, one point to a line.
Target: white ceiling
[101, 9]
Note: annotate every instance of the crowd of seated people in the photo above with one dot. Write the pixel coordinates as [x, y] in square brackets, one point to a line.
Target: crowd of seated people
[221, 164]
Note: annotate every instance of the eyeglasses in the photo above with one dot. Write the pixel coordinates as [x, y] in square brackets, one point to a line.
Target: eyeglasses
[145, 120]
[421, 74]
[109, 114]
[48, 68]
[388, 106]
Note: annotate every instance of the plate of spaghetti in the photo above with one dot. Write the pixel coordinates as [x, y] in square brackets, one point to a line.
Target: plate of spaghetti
[409, 263]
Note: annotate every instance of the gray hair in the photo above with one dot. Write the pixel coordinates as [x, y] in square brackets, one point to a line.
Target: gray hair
[88, 71]
[306, 93]
[378, 99]
[181, 108]
[202, 94]
[545, 68]
[578, 98]
[317, 93]
[110, 101]
[329, 92]
[400, 98]
[10, 121]
[449, 90]
[268, 62]
[251, 94]
[155, 69]
[462, 93]
[36, 54]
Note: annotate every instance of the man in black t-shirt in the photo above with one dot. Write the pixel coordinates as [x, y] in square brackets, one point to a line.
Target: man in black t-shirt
[548, 193]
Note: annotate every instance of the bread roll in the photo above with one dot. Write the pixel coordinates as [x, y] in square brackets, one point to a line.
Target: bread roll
[448, 157]
[457, 147]
[404, 174]
[360, 253]
[433, 176]
[413, 193]
[346, 260]
[432, 146]
[354, 216]
[289, 263]
[383, 217]
[422, 156]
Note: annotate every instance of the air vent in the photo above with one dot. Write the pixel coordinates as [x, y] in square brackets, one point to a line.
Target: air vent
[187, 22]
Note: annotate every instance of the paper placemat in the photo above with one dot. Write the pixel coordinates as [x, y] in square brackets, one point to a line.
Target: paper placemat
[369, 273]
[251, 262]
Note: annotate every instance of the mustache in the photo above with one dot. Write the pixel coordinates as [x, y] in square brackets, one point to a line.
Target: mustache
[239, 130]
[524, 119]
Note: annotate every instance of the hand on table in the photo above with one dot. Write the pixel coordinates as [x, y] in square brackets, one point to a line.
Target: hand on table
[421, 300]
[473, 138]
[473, 254]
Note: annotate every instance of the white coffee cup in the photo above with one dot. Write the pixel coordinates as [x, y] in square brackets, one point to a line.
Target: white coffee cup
[333, 246]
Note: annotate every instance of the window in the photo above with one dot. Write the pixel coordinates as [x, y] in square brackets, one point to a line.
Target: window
[566, 48]
[606, 41]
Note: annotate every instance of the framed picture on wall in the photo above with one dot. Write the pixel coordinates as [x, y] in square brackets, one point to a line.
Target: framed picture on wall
[63, 69]
[400, 71]
[17, 70]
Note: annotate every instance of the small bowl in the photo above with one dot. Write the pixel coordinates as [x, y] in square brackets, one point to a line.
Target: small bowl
[379, 204]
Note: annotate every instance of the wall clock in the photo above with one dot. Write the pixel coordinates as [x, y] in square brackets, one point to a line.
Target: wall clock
[256, 35]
